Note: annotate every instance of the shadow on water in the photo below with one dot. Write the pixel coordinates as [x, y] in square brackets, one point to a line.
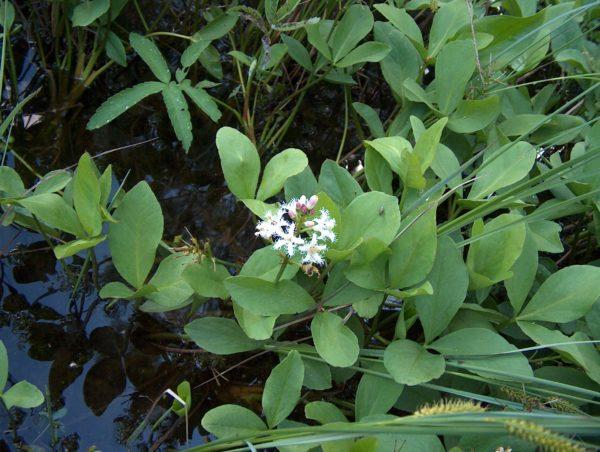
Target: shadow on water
[103, 368]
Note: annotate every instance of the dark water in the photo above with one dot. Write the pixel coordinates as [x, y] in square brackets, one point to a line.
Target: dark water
[103, 368]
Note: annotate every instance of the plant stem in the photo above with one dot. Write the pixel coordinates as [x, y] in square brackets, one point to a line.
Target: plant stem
[282, 269]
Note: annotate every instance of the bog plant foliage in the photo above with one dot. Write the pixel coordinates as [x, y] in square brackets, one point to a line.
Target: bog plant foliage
[428, 280]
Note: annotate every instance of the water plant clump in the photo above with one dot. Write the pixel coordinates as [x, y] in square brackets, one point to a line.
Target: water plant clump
[300, 225]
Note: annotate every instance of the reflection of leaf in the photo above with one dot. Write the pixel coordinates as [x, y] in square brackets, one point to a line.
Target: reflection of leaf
[64, 371]
[106, 340]
[139, 368]
[104, 382]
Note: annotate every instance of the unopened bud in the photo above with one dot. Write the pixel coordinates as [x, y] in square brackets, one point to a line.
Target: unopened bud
[312, 202]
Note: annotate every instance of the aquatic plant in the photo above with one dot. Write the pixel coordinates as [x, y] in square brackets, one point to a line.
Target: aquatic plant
[409, 293]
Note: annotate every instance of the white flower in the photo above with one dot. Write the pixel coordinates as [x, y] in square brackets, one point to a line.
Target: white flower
[271, 225]
[324, 226]
[313, 251]
[290, 208]
[287, 239]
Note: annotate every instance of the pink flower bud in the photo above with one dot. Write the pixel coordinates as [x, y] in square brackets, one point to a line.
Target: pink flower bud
[309, 224]
[312, 201]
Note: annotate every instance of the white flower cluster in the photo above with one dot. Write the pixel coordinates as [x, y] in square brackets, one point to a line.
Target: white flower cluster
[304, 231]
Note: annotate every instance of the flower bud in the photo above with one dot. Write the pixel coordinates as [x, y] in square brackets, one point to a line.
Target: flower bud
[312, 202]
[309, 224]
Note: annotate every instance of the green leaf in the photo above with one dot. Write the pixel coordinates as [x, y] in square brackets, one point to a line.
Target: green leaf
[191, 54]
[402, 21]
[259, 327]
[171, 288]
[52, 182]
[474, 114]
[207, 279]
[453, 69]
[232, 421]
[338, 183]
[259, 208]
[324, 412]
[22, 395]
[88, 11]
[282, 388]
[355, 24]
[184, 391]
[210, 59]
[481, 342]
[393, 150]
[218, 27]
[503, 167]
[298, 52]
[3, 366]
[583, 354]
[267, 298]
[10, 182]
[240, 162]
[492, 256]
[446, 166]
[7, 14]
[303, 183]
[220, 336]
[316, 35]
[265, 263]
[203, 100]
[403, 62]
[546, 236]
[115, 50]
[524, 271]
[446, 22]
[428, 142]
[450, 280]
[53, 210]
[70, 248]
[121, 102]
[411, 364]
[148, 52]
[378, 172]
[116, 290]
[86, 196]
[371, 117]
[284, 165]
[334, 341]
[134, 238]
[317, 374]
[375, 394]
[372, 52]
[179, 114]
[566, 295]
[370, 215]
[413, 253]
